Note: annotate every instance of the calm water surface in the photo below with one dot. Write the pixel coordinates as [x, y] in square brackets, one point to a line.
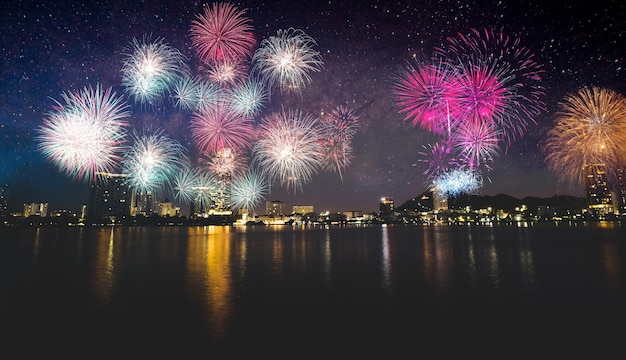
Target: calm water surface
[442, 290]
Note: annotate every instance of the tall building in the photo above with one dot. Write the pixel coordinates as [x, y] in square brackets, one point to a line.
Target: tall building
[36, 209]
[621, 190]
[110, 197]
[386, 205]
[597, 189]
[275, 208]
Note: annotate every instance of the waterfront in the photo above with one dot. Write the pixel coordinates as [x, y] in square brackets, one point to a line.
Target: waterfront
[453, 290]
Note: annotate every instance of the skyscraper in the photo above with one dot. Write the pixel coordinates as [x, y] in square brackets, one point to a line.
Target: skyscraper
[109, 198]
[597, 189]
[275, 208]
[4, 200]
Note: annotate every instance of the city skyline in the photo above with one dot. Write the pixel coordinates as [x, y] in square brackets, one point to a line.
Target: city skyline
[51, 49]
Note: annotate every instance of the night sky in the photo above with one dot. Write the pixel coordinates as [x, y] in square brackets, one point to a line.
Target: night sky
[51, 48]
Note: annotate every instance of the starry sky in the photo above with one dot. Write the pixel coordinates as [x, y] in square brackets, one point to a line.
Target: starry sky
[49, 48]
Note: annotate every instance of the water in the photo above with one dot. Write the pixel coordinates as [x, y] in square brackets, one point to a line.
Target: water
[442, 290]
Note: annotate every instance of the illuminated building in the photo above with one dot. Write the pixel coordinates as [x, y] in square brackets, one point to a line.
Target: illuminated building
[168, 209]
[110, 197]
[621, 190]
[303, 209]
[598, 193]
[275, 208]
[386, 205]
[36, 209]
[144, 203]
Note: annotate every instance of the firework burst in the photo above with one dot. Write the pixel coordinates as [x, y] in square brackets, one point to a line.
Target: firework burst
[590, 129]
[287, 58]
[184, 184]
[150, 68]
[226, 73]
[338, 129]
[85, 135]
[425, 95]
[248, 191]
[222, 33]
[248, 99]
[227, 163]
[477, 143]
[288, 148]
[440, 158]
[152, 161]
[218, 127]
[457, 182]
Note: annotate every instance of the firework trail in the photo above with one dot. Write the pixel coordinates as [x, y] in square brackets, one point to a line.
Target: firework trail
[218, 128]
[288, 148]
[248, 191]
[85, 135]
[590, 129]
[185, 94]
[287, 58]
[150, 68]
[222, 33]
[152, 161]
[247, 99]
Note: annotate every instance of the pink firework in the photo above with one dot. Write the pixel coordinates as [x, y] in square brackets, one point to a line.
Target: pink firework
[425, 95]
[288, 148]
[85, 136]
[226, 162]
[218, 128]
[477, 143]
[342, 122]
[338, 128]
[222, 33]
[496, 61]
[226, 73]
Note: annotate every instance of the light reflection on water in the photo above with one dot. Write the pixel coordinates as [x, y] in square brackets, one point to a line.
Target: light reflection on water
[265, 282]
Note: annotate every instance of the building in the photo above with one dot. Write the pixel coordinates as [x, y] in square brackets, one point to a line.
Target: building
[386, 205]
[303, 209]
[35, 209]
[168, 209]
[621, 190]
[275, 208]
[597, 190]
[110, 198]
[143, 203]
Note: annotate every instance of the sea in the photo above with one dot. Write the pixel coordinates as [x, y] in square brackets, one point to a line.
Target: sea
[434, 291]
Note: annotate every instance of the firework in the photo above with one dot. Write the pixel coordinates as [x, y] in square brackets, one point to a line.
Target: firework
[498, 79]
[225, 73]
[85, 135]
[425, 94]
[590, 129]
[287, 58]
[153, 160]
[208, 96]
[150, 68]
[184, 184]
[227, 163]
[440, 158]
[248, 99]
[248, 191]
[185, 94]
[222, 33]
[218, 127]
[477, 143]
[288, 147]
[457, 181]
[205, 189]
[338, 129]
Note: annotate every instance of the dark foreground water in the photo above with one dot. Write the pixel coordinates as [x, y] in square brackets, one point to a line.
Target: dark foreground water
[437, 290]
